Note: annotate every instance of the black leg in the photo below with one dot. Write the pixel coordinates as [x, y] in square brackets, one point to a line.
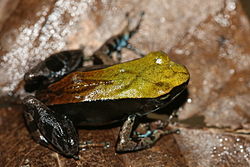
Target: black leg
[34, 131]
[47, 127]
[53, 69]
[136, 28]
[127, 34]
[116, 43]
[135, 50]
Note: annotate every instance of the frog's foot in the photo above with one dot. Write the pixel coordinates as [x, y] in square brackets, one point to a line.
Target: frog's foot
[51, 129]
[127, 143]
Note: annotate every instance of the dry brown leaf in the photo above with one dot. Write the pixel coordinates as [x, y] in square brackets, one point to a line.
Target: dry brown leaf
[210, 37]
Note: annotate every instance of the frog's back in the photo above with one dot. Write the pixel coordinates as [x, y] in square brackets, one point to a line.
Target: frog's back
[149, 77]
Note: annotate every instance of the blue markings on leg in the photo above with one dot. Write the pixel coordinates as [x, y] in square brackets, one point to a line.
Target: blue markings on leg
[147, 134]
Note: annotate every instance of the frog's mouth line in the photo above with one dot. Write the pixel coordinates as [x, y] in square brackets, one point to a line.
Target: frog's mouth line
[164, 100]
[175, 92]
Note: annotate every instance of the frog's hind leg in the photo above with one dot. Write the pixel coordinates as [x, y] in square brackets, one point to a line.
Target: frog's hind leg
[122, 40]
[34, 131]
[51, 129]
[127, 143]
[127, 34]
[53, 69]
[115, 44]
[36, 134]
[135, 50]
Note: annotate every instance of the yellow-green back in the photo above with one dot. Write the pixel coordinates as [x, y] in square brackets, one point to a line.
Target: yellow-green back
[149, 77]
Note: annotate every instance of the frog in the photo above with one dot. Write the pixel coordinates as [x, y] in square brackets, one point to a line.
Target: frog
[68, 95]
[104, 96]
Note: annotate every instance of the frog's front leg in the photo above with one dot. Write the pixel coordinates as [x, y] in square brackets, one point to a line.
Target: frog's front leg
[127, 143]
[51, 129]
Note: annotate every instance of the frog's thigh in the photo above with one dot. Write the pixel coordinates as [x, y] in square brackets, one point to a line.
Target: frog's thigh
[33, 129]
[48, 127]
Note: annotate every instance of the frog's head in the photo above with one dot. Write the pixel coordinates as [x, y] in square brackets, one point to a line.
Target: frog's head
[153, 76]
[164, 75]
[172, 80]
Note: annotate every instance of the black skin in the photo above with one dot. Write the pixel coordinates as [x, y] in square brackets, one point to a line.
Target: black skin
[54, 126]
[52, 69]
[51, 129]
